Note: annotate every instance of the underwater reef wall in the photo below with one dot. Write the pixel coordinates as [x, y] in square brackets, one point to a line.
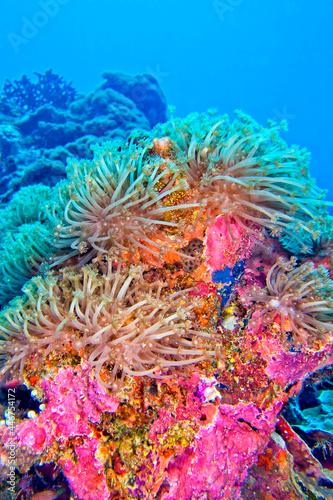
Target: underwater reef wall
[176, 293]
[46, 122]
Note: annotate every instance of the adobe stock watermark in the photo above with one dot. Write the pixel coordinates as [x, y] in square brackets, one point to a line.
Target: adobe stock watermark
[282, 114]
[11, 444]
[157, 73]
[224, 7]
[31, 27]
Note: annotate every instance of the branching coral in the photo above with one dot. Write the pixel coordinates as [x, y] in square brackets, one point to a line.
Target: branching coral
[49, 89]
[300, 297]
[115, 319]
[248, 173]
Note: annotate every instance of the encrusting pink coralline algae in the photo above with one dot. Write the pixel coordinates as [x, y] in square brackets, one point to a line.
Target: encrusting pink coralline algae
[190, 298]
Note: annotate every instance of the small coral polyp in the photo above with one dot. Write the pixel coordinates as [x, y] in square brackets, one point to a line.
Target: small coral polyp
[301, 297]
[115, 319]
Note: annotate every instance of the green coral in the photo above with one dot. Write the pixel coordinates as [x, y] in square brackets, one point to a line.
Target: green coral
[24, 207]
[26, 235]
[21, 255]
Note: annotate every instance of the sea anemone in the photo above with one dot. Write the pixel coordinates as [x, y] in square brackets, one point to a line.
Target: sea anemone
[21, 257]
[300, 297]
[26, 237]
[115, 320]
[248, 173]
[119, 200]
[128, 195]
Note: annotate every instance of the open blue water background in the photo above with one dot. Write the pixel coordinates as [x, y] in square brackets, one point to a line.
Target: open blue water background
[270, 58]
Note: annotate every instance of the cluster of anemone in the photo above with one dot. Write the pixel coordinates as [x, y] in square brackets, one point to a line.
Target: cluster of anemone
[119, 322]
[25, 238]
[248, 174]
[145, 197]
[21, 257]
[299, 297]
[129, 194]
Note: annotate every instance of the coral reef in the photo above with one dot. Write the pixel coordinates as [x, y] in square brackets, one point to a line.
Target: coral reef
[163, 324]
[26, 95]
[249, 174]
[143, 90]
[46, 122]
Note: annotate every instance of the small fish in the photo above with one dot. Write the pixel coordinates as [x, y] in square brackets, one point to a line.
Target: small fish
[47, 495]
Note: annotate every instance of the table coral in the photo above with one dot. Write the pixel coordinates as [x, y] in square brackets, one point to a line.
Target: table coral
[165, 350]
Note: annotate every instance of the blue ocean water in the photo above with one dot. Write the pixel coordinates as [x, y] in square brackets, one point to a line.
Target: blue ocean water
[272, 59]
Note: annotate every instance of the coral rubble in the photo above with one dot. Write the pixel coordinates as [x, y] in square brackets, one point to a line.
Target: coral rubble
[173, 300]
